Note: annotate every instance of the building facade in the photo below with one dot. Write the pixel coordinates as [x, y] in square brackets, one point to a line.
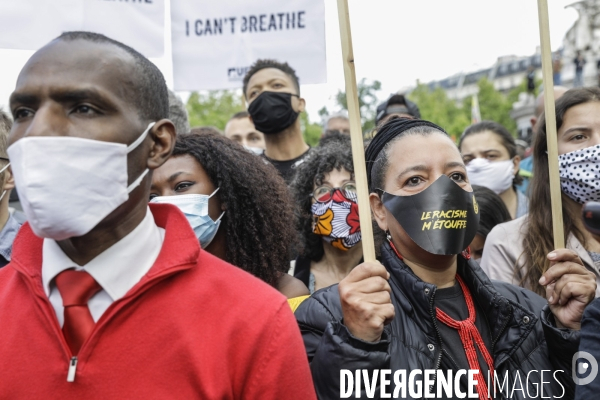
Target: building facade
[509, 71]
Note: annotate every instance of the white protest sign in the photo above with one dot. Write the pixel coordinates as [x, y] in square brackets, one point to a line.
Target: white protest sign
[215, 42]
[30, 24]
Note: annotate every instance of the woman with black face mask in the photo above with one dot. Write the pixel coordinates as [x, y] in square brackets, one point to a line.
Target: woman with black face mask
[430, 306]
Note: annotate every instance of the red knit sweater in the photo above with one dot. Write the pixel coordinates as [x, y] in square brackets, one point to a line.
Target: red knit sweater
[195, 327]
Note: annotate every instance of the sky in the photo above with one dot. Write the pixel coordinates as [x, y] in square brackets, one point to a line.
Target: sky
[399, 42]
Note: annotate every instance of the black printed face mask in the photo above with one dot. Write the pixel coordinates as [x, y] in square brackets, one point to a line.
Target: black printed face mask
[272, 112]
[442, 219]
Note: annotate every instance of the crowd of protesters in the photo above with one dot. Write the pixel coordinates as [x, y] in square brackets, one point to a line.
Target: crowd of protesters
[141, 258]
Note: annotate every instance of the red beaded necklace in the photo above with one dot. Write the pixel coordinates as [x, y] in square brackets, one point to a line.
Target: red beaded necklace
[469, 335]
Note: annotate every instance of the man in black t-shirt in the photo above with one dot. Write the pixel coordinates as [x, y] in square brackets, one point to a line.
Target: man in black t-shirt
[272, 91]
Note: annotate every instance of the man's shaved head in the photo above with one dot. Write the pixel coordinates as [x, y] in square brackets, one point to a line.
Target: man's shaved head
[147, 88]
[86, 86]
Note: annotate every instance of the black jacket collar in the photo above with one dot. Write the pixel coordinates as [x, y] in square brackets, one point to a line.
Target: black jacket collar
[416, 299]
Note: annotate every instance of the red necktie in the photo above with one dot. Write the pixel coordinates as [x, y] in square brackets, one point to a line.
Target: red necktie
[470, 336]
[76, 288]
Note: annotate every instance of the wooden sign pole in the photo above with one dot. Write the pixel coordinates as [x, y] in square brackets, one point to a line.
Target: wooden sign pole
[551, 138]
[358, 151]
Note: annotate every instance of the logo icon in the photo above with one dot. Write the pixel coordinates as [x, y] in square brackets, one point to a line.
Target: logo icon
[580, 367]
[475, 205]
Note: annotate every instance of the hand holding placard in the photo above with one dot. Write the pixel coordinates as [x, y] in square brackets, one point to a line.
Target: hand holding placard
[570, 287]
[365, 295]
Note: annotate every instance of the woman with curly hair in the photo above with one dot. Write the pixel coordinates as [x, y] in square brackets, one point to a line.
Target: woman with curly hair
[238, 206]
[327, 214]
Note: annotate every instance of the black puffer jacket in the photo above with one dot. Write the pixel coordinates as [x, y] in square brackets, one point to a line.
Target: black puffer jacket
[521, 326]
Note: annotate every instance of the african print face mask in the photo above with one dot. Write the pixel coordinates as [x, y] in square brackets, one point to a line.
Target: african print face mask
[580, 174]
[337, 220]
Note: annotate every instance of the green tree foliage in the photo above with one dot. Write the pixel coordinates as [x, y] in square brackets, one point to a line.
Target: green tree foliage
[494, 105]
[311, 131]
[323, 112]
[367, 103]
[513, 95]
[214, 108]
[497, 106]
[435, 106]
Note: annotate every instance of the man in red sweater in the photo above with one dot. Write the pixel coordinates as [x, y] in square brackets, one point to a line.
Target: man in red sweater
[106, 297]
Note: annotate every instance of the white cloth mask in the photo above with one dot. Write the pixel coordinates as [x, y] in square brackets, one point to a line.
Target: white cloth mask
[255, 150]
[494, 175]
[579, 173]
[67, 185]
[195, 209]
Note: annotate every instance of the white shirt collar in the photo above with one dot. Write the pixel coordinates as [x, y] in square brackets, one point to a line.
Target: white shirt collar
[118, 268]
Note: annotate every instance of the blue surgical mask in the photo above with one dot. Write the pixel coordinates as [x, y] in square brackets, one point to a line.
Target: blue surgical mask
[195, 209]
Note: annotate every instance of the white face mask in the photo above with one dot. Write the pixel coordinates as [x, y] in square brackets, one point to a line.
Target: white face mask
[67, 185]
[195, 209]
[579, 174]
[255, 150]
[494, 175]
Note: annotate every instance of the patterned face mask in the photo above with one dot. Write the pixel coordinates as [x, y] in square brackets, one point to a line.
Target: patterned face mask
[580, 174]
[337, 220]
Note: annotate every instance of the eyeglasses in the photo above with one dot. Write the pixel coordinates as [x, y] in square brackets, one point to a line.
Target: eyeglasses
[324, 193]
